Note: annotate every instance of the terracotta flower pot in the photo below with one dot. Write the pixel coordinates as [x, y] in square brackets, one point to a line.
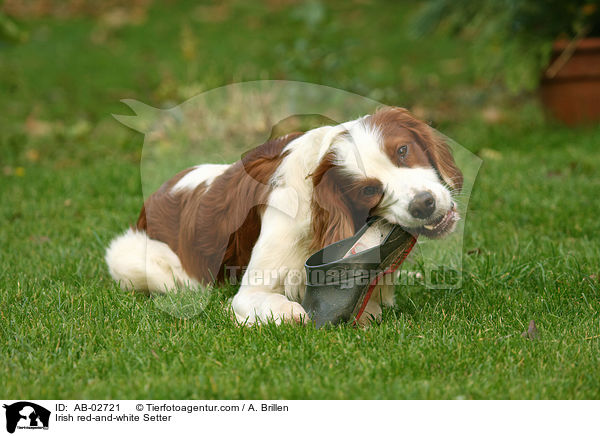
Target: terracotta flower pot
[570, 88]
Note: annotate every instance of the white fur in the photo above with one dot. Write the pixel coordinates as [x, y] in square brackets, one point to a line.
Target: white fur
[138, 262]
[200, 174]
[274, 279]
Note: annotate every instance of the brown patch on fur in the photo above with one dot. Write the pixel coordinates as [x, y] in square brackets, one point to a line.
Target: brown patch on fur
[340, 203]
[160, 214]
[425, 147]
[210, 228]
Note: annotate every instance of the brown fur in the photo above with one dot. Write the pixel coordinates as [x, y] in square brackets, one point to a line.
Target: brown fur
[161, 213]
[338, 205]
[425, 146]
[211, 228]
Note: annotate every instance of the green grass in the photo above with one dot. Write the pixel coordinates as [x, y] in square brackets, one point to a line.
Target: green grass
[68, 332]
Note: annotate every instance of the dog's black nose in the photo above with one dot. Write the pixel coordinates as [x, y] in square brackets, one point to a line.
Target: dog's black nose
[422, 205]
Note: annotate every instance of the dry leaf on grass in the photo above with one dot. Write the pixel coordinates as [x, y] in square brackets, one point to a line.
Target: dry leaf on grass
[531, 332]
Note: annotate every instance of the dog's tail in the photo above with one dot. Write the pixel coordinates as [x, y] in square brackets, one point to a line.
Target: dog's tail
[143, 264]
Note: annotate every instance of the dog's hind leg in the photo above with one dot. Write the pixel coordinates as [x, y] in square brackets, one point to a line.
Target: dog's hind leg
[143, 264]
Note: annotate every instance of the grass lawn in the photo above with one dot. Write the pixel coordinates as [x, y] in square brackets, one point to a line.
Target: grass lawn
[70, 181]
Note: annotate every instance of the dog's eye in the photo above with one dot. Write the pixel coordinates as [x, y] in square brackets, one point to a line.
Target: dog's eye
[402, 151]
[369, 191]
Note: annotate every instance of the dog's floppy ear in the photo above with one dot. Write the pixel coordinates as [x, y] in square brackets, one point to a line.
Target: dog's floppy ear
[331, 217]
[441, 158]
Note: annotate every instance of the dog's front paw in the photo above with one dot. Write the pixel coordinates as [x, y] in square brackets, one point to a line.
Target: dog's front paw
[290, 312]
[371, 314]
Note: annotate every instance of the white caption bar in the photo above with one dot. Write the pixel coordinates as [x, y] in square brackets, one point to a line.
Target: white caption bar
[158, 417]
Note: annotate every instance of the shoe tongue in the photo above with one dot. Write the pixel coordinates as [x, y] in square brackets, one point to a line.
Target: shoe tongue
[373, 237]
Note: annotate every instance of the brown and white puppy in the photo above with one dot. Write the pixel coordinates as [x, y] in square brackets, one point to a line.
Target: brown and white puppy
[261, 217]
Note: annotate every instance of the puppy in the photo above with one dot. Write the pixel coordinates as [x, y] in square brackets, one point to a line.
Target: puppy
[261, 217]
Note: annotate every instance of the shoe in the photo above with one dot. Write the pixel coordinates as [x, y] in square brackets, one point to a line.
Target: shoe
[340, 278]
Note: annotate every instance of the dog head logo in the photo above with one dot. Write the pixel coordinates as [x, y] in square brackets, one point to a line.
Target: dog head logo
[26, 415]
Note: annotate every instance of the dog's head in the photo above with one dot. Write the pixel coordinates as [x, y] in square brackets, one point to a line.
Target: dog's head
[388, 164]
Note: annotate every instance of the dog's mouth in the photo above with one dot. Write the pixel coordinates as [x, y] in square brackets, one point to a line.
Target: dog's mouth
[440, 226]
